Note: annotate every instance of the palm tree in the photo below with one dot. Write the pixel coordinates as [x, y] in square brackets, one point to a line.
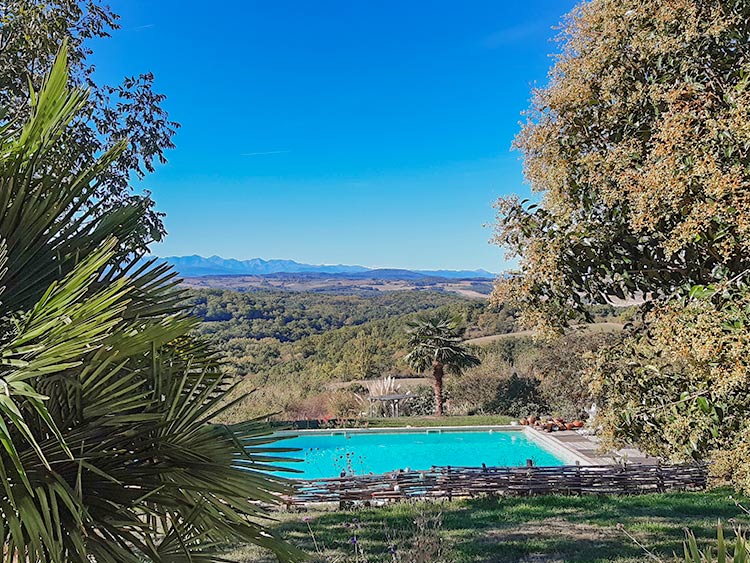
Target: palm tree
[436, 341]
[107, 450]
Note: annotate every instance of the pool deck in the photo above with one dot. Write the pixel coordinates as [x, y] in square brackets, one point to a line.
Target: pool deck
[588, 448]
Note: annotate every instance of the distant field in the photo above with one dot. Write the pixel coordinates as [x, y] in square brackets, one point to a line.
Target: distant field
[473, 288]
[583, 329]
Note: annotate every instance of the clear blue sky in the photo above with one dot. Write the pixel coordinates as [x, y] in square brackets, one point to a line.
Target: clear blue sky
[342, 131]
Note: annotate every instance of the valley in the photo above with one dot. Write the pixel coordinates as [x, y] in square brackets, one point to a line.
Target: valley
[366, 282]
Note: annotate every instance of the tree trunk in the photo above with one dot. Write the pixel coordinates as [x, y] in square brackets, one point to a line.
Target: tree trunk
[437, 374]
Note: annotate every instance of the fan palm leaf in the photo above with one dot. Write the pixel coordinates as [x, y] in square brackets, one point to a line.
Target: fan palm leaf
[435, 341]
[107, 450]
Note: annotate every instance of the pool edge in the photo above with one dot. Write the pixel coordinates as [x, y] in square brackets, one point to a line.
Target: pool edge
[566, 454]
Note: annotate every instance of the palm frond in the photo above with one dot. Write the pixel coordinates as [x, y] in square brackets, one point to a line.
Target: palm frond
[438, 337]
[107, 449]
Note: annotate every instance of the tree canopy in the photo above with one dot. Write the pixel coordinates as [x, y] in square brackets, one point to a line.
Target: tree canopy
[640, 147]
[129, 114]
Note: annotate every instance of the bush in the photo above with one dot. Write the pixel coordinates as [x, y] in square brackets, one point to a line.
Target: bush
[316, 407]
[560, 366]
[519, 396]
[423, 403]
[477, 391]
[344, 404]
[513, 395]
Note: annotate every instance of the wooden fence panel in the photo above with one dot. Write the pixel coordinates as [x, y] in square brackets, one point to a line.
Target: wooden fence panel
[450, 482]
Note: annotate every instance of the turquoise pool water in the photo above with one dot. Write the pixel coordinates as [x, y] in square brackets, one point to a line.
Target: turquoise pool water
[327, 455]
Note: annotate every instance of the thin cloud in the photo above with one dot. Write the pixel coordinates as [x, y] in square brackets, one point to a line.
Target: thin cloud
[139, 27]
[263, 153]
[513, 34]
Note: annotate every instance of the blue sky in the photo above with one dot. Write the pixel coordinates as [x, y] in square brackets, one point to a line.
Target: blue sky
[339, 131]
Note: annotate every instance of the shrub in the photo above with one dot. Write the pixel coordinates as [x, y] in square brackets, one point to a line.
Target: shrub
[477, 391]
[560, 366]
[423, 403]
[344, 404]
[519, 396]
[510, 394]
[316, 407]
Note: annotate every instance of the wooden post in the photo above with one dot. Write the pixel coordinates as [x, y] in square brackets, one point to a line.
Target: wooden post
[659, 477]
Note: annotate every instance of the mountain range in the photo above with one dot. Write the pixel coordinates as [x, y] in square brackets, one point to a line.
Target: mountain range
[198, 266]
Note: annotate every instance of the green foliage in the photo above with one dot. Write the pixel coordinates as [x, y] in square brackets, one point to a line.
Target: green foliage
[693, 553]
[31, 32]
[288, 346]
[423, 403]
[107, 452]
[561, 367]
[680, 389]
[520, 376]
[724, 554]
[289, 316]
[473, 393]
[438, 339]
[639, 145]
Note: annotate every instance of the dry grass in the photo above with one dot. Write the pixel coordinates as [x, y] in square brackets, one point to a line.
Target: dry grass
[595, 328]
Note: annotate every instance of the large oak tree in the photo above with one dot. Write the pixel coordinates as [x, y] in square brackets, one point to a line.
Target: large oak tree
[640, 147]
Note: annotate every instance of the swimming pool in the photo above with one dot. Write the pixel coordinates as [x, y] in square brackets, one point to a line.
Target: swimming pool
[328, 454]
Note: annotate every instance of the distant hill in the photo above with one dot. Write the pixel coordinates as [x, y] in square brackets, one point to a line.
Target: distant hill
[198, 266]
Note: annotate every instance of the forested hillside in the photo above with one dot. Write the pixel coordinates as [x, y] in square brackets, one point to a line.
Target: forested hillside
[286, 346]
[289, 347]
[290, 316]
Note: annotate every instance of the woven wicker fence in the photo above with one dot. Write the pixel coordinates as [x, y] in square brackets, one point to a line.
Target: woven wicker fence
[450, 482]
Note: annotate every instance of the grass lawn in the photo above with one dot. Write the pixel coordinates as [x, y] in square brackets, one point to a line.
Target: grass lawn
[530, 530]
[429, 421]
[403, 421]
